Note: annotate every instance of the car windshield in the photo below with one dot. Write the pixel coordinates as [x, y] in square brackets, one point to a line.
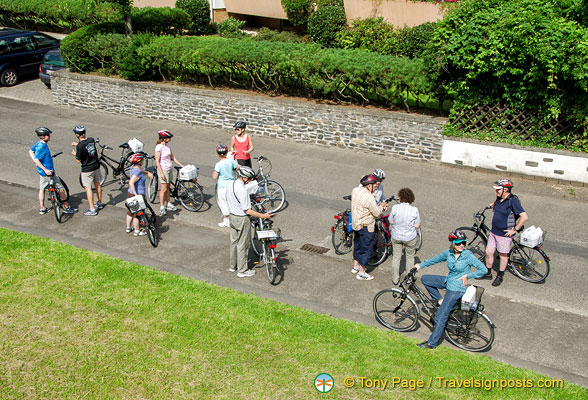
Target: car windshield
[53, 56]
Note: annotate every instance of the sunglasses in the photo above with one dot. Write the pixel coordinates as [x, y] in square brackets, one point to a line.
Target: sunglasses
[460, 243]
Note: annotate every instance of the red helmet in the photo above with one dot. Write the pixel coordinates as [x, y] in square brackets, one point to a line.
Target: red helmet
[137, 158]
[503, 184]
[221, 149]
[368, 179]
[457, 236]
[164, 134]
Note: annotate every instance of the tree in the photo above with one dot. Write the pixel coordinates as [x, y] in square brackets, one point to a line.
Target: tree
[125, 8]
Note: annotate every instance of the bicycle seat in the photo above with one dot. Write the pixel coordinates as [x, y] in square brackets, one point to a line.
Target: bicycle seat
[347, 197]
[177, 168]
[124, 146]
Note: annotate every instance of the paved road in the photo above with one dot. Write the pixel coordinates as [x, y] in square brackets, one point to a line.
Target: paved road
[539, 326]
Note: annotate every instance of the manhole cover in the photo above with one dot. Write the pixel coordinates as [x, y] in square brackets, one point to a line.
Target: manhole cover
[314, 249]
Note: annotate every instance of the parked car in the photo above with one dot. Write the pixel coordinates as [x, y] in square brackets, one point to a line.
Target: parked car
[52, 61]
[21, 53]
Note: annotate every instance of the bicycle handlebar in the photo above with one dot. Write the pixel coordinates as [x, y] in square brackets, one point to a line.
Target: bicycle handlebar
[57, 154]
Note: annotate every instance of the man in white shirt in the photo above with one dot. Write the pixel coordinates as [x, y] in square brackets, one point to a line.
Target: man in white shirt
[239, 209]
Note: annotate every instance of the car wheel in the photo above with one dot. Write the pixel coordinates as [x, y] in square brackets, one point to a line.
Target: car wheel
[9, 77]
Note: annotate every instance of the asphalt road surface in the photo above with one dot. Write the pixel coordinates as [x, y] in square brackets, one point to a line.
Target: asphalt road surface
[543, 327]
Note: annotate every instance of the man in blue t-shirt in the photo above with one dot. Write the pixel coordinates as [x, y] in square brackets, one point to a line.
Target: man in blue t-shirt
[509, 218]
[41, 156]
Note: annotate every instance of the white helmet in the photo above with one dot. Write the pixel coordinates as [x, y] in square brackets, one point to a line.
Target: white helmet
[380, 174]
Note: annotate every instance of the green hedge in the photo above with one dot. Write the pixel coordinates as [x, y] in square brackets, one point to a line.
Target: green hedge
[199, 14]
[160, 20]
[325, 24]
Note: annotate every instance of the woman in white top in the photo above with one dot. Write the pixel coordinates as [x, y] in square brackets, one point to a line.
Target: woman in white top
[164, 159]
[404, 220]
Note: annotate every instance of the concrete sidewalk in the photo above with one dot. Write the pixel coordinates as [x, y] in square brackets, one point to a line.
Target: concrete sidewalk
[556, 346]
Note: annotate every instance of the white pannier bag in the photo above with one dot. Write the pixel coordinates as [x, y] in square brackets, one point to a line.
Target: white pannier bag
[135, 145]
[136, 204]
[532, 236]
[188, 173]
[468, 300]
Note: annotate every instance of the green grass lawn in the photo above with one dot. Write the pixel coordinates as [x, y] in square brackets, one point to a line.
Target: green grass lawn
[78, 324]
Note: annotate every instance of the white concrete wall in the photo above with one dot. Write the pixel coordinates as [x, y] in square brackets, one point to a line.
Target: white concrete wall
[528, 162]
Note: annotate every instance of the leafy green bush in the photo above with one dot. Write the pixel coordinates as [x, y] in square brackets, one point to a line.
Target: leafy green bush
[325, 24]
[412, 41]
[73, 46]
[298, 11]
[160, 20]
[270, 35]
[199, 12]
[134, 67]
[373, 34]
[106, 49]
[231, 28]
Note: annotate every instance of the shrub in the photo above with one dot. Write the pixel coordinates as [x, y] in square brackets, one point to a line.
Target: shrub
[231, 28]
[73, 46]
[373, 34]
[199, 13]
[412, 41]
[325, 24]
[106, 48]
[298, 11]
[160, 20]
[270, 35]
[134, 67]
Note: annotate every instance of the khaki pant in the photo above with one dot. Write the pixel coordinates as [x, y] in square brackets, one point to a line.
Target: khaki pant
[240, 242]
[409, 250]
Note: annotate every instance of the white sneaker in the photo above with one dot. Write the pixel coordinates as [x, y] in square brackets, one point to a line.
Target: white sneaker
[245, 274]
[354, 270]
[171, 207]
[162, 211]
[364, 277]
[232, 269]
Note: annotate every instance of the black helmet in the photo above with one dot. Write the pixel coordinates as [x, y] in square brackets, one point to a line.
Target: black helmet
[221, 149]
[79, 130]
[43, 131]
[368, 179]
[246, 172]
[240, 125]
[457, 236]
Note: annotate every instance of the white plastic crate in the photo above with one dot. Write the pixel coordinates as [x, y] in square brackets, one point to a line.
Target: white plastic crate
[135, 145]
[136, 203]
[271, 235]
[188, 173]
[532, 236]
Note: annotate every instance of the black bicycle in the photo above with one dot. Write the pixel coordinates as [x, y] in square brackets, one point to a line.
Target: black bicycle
[269, 190]
[120, 168]
[470, 329]
[530, 264]
[264, 241]
[55, 194]
[146, 217]
[188, 192]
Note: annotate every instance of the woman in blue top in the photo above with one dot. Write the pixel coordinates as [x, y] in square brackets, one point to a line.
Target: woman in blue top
[223, 174]
[460, 262]
[136, 187]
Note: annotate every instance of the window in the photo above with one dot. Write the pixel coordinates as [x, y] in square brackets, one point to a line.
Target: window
[45, 41]
[4, 48]
[20, 44]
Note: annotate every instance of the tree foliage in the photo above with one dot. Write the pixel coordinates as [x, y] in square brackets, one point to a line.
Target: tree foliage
[199, 12]
[325, 24]
[298, 11]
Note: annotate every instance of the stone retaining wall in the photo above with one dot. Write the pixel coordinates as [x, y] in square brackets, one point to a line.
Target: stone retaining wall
[383, 132]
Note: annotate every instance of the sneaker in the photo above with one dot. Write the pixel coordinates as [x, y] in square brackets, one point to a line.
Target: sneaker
[140, 233]
[129, 229]
[245, 274]
[89, 212]
[364, 277]
[232, 269]
[44, 211]
[100, 206]
[69, 210]
[171, 207]
[162, 211]
[354, 270]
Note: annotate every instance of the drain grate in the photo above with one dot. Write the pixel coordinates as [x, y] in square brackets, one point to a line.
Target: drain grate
[314, 249]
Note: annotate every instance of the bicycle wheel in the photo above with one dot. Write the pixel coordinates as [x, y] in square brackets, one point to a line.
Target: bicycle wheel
[273, 194]
[152, 234]
[256, 244]
[152, 188]
[419, 239]
[468, 330]
[341, 238]
[103, 169]
[380, 251]
[529, 264]
[270, 269]
[65, 188]
[190, 195]
[126, 166]
[396, 310]
[57, 207]
[476, 242]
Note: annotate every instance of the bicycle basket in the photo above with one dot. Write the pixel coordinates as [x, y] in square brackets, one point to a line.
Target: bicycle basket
[135, 204]
[472, 299]
[188, 173]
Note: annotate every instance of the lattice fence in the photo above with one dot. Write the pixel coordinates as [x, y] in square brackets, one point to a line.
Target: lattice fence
[518, 123]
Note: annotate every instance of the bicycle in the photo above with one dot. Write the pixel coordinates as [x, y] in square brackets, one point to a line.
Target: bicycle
[530, 264]
[469, 329]
[342, 237]
[188, 192]
[56, 200]
[271, 191]
[263, 242]
[120, 168]
[146, 217]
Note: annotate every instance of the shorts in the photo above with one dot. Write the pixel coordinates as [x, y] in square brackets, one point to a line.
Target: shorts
[221, 199]
[44, 182]
[363, 244]
[92, 176]
[167, 175]
[245, 163]
[500, 243]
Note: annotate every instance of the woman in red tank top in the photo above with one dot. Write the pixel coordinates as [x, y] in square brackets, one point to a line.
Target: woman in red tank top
[241, 144]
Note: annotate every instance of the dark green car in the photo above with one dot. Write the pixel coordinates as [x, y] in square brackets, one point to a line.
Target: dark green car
[52, 61]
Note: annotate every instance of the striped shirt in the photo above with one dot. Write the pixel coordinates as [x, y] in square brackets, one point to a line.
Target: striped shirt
[364, 209]
[403, 218]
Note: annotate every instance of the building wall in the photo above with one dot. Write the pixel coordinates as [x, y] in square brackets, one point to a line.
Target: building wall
[261, 8]
[399, 13]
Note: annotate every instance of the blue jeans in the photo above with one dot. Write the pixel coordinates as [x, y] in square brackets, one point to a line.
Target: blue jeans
[363, 244]
[433, 283]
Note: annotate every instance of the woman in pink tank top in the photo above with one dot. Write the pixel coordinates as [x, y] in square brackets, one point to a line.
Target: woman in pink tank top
[241, 144]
